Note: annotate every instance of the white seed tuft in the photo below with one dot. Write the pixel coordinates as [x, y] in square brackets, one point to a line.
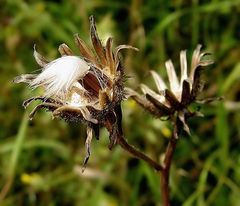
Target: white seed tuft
[59, 75]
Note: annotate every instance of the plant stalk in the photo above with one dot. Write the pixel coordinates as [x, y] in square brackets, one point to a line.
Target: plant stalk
[165, 172]
[138, 154]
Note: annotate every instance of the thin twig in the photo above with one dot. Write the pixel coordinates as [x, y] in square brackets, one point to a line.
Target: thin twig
[138, 154]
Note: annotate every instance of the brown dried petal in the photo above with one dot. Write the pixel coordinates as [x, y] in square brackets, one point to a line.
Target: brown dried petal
[27, 102]
[196, 60]
[49, 106]
[109, 56]
[162, 109]
[170, 97]
[113, 136]
[100, 51]
[204, 54]
[161, 86]
[197, 84]
[88, 146]
[208, 100]
[91, 83]
[95, 128]
[172, 76]
[65, 50]
[42, 61]
[195, 57]
[183, 63]
[27, 78]
[74, 114]
[205, 62]
[87, 115]
[142, 101]
[185, 126]
[103, 99]
[120, 47]
[116, 53]
[186, 93]
[84, 50]
[115, 130]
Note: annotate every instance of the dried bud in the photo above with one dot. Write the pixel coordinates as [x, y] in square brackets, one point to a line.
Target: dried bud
[86, 88]
[181, 92]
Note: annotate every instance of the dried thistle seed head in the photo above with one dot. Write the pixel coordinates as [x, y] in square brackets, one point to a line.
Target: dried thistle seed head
[181, 92]
[86, 88]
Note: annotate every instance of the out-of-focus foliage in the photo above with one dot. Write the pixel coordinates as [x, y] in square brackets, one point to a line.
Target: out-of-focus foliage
[40, 161]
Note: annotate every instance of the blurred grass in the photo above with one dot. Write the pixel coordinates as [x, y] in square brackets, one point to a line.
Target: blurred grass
[40, 157]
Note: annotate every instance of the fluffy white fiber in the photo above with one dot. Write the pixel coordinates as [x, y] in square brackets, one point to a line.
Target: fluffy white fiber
[59, 75]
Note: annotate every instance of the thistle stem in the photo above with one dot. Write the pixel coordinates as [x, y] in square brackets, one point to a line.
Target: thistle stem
[164, 173]
[164, 169]
[116, 122]
[138, 154]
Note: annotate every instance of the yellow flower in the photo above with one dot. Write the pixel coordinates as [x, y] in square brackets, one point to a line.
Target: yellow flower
[31, 179]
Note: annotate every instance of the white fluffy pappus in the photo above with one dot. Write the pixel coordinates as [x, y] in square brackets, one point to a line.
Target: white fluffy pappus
[59, 75]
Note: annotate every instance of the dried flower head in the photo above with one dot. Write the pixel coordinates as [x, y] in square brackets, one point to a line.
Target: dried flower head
[181, 92]
[86, 88]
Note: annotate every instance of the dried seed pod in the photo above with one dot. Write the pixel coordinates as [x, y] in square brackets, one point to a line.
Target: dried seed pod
[86, 88]
[181, 93]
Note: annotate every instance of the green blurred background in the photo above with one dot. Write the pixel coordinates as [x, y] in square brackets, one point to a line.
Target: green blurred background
[40, 161]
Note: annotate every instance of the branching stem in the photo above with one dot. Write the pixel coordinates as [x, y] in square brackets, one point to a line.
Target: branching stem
[163, 170]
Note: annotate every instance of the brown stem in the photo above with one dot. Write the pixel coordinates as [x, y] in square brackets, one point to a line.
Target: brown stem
[113, 123]
[164, 173]
[164, 170]
[140, 155]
